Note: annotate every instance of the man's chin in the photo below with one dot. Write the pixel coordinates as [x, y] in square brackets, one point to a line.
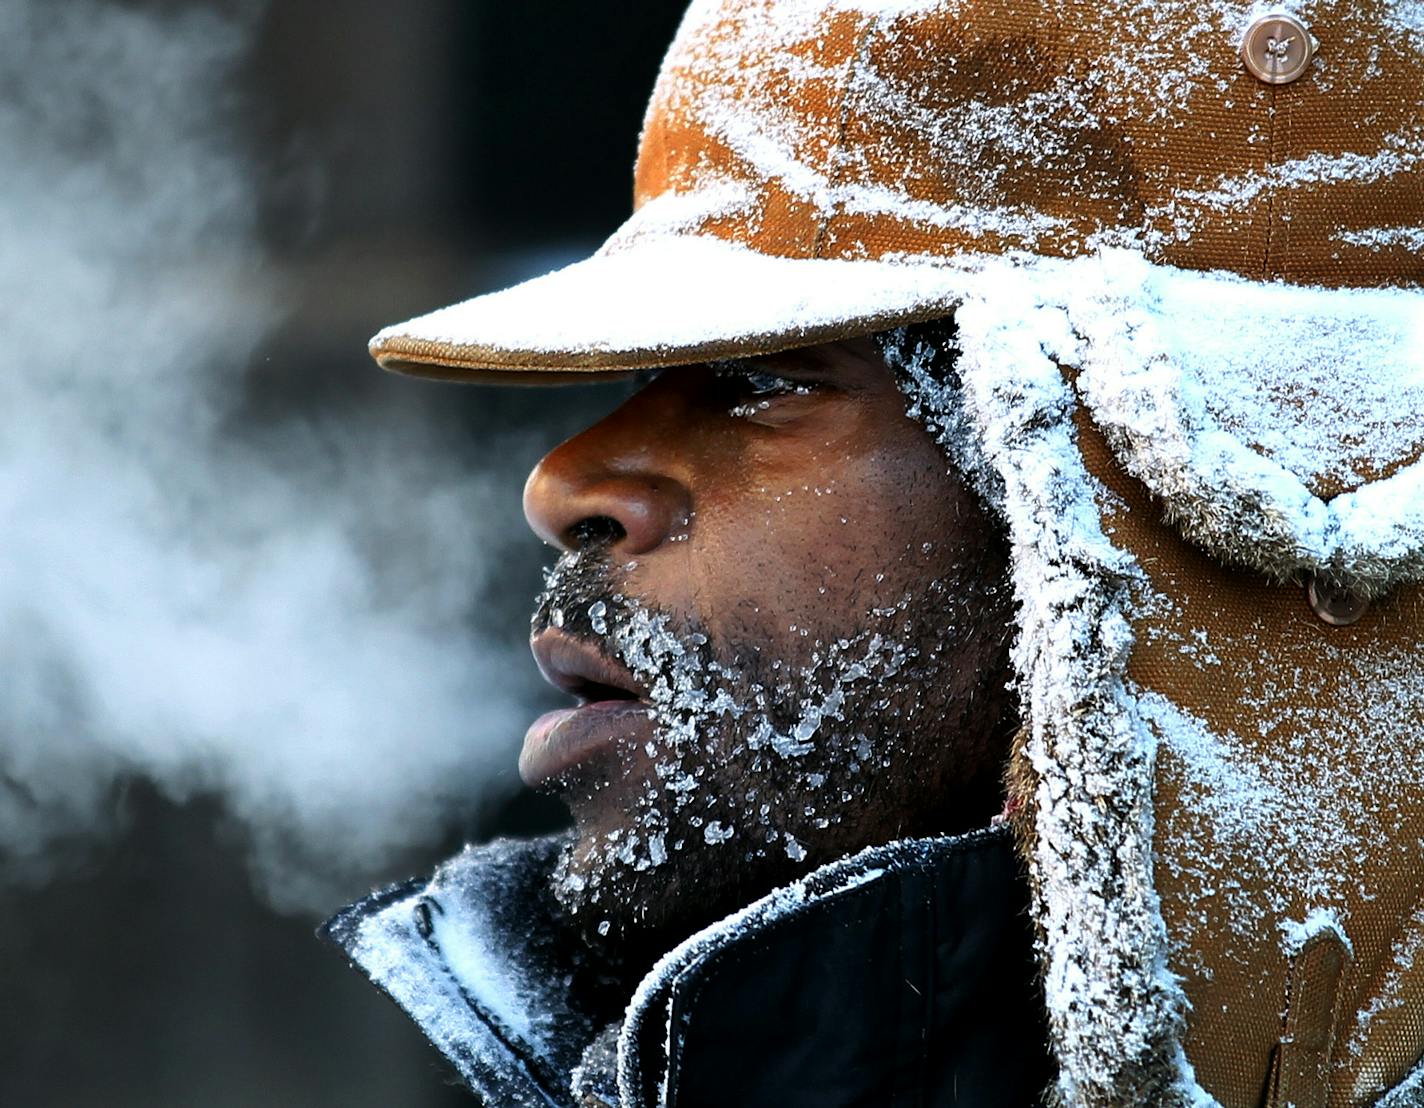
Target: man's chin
[640, 901]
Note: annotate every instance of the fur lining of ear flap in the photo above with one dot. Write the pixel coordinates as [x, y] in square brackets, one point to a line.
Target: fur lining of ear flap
[1220, 491]
[1085, 762]
[1020, 787]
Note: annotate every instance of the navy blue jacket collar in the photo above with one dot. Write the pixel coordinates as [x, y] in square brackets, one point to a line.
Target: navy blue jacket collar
[900, 976]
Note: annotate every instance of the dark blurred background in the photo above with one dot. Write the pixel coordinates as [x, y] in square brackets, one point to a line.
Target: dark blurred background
[402, 156]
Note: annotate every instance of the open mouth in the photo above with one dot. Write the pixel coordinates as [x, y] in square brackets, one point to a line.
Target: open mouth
[611, 711]
[580, 669]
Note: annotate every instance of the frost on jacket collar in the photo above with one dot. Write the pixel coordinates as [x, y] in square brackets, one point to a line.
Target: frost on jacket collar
[902, 975]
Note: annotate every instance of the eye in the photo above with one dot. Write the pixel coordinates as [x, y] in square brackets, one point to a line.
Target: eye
[759, 384]
[751, 381]
[753, 390]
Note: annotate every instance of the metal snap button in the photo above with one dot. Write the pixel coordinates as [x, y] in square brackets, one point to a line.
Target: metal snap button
[1334, 603]
[1277, 48]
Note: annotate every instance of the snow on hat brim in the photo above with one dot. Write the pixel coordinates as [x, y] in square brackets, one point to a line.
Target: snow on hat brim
[664, 301]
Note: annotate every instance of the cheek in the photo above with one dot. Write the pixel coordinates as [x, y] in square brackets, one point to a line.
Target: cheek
[822, 543]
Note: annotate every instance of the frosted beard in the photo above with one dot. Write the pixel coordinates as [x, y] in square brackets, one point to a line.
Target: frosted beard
[760, 766]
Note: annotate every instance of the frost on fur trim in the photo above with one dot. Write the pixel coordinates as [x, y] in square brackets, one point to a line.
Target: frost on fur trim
[1004, 413]
[1226, 399]
[1281, 427]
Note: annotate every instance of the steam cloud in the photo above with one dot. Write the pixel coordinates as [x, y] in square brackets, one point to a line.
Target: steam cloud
[281, 613]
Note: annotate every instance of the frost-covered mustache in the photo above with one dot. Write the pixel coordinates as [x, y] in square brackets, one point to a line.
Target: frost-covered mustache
[670, 657]
[782, 705]
[582, 600]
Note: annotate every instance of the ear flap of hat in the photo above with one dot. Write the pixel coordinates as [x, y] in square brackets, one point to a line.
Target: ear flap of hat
[1212, 769]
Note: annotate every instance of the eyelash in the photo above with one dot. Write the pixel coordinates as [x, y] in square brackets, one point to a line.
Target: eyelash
[761, 384]
[758, 384]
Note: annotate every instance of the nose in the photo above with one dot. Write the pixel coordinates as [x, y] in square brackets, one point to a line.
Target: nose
[611, 483]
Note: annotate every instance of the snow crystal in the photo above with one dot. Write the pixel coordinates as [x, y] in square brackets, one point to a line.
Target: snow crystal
[1295, 934]
[1377, 238]
[715, 832]
[797, 743]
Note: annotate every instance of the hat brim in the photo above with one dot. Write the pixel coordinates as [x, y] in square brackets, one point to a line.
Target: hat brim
[663, 301]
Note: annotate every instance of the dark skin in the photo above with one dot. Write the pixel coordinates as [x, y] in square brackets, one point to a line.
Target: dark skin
[787, 511]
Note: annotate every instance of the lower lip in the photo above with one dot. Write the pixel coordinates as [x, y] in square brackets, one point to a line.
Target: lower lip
[558, 741]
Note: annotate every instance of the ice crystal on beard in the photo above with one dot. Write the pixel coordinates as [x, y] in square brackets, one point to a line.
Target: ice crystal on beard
[794, 850]
[708, 712]
[716, 832]
[799, 742]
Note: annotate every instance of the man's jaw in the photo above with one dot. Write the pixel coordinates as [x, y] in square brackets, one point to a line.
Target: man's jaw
[701, 776]
[612, 713]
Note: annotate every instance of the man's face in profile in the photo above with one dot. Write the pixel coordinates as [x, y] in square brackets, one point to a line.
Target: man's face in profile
[785, 620]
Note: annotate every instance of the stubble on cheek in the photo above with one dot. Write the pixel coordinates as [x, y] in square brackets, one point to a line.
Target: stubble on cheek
[758, 766]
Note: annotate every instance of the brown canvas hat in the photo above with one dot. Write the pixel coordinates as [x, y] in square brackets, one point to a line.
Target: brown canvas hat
[1183, 246]
[809, 168]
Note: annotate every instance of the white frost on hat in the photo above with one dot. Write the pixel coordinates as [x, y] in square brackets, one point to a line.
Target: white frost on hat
[1380, 238]
[1235, 401]
[674, 292]
[1397, 153]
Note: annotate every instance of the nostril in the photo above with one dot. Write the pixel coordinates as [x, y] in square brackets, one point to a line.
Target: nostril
[595, 531]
